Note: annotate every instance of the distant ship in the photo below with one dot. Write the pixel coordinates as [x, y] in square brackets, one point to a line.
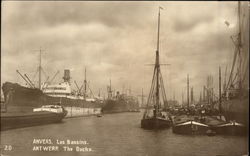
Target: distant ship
[120, 103]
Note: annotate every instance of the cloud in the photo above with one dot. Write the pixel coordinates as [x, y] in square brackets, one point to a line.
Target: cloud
[182, 25]
[115, 40]
[33, 15]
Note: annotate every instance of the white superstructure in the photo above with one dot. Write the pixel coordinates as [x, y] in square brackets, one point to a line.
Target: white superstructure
[61, 89]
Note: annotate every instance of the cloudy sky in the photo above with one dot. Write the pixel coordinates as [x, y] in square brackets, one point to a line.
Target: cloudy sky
[116, 40]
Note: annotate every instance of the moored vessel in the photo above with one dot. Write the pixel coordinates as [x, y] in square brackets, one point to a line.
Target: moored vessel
[190, 127]
[39, 116]
[30, 97]
[235, 98]
[77, 103]
[158, 119]
[230, 128]
[117, 103]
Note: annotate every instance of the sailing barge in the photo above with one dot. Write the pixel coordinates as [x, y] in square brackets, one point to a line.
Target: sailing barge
[189, 124]
[204, 123]
[158, 120]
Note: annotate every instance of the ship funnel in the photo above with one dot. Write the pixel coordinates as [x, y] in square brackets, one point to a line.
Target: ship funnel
[66, 76]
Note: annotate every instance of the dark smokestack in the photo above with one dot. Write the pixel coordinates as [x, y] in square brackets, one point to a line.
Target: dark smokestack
[66, 76]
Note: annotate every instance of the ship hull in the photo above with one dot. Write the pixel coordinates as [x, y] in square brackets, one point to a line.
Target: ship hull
[155, 123]
[236, 109]
[119, 106]
[190, 128]
[230, 129]
[32, 97]
[12, 121]
[190, 125]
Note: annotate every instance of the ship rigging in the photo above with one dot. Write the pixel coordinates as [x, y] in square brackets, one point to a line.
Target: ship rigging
[158, 120]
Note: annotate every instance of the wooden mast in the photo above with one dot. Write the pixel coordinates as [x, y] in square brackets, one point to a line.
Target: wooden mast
[40, 68]
[157, 88]
[239, 47]
[157, 81]
[220, 91]
[157, 67]
[182, 98]
[237, 55]
[85, 83]
[142, 100]
[188, 92]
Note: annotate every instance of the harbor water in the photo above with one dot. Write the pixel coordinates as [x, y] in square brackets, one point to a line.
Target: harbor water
[114, 135]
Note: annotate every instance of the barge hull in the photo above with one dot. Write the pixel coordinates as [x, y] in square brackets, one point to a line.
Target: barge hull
[30, 119]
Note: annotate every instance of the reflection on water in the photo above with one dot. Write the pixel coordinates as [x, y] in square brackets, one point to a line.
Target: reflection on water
[120, 134]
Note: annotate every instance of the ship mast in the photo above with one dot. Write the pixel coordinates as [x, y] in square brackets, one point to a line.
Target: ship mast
[142, 98]
[237, 55]
[200, 98]
[239, 47]
[225, 81]
[142, 101]
[182, 98]
[188, 92]
[85, 83]
[40, 68]
[157, 86]
[157, 65]
[109, 90]
[220, 91]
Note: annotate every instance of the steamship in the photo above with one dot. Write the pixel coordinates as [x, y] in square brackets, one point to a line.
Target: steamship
[120, 103]
[117, 103]
[25, 99]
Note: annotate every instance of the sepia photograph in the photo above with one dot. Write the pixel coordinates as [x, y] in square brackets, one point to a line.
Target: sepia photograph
[124, 78]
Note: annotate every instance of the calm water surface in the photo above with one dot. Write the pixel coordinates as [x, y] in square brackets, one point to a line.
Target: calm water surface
[119, 134]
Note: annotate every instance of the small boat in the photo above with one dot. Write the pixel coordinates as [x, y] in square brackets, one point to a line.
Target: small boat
[44, 115]
[99, 115]
[158, 120]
